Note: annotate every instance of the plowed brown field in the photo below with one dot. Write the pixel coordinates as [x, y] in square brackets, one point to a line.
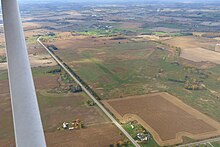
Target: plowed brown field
[166, 117]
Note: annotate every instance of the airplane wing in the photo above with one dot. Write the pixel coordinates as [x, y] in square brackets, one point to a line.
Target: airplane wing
[26, 116]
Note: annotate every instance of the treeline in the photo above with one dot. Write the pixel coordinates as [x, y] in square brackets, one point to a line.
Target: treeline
[77, 77]
[194, 85]
[83, 82]
[176, 80]
[194, 79]
[3, 59]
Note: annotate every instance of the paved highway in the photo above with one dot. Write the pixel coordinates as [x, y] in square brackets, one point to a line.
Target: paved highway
[198, 143]
[91, 96]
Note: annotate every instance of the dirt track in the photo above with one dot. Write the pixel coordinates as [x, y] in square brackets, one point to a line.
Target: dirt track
[165, 116]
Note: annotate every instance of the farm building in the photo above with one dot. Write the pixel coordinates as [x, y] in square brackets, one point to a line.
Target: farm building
[217, 47]
[142, 137]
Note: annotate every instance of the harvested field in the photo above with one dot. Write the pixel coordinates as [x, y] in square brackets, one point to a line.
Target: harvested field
[128, 25]
[163, 29]
[46, 82]
[166, 117]
[41, 83]
[95, 136]
[2, 52]
[35, 61]
[55, 109]
[41, 60]
[192, 42]
[4, 87]
[200, 55]
[37, 55]
[76, 42]
[58, 108]
[196, 49]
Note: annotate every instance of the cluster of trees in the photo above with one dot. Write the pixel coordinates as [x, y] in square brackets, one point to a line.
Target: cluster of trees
[78, 78]
[54, 71]
[202, 74]
[190, 83]
[83, 82]
[3, 59]
[120, 144]
[66, 78]
[90, 103]
[194, 85]
[75, 89]
[52, 47]
[177, 49]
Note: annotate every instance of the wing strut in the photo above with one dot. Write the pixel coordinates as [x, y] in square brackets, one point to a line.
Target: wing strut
[26, 116]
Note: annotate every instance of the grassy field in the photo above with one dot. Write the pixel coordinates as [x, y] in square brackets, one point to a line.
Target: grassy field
[33, 39]
[135, 68]
[137, 129]
[129, 31]
[3, 74]
[118, 67]
[215, 144]
[103, 32]
[37, 72]
[3, 59]
[130, 68]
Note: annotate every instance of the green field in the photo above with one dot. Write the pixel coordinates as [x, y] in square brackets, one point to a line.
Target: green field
[136, 68]
[103, 32]
[33, 39]
[3, 74]
[215, 144]
[137, 129]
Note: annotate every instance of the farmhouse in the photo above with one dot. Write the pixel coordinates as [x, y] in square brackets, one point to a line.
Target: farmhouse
[76, 124]
[142, 137]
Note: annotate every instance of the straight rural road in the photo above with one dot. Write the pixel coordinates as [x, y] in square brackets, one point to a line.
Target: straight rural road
[91, 96]
[207, 141]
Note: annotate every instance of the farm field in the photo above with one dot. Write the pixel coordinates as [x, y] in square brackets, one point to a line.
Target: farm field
[195, 48]
[110, 66]
[122, 51]
[56, 108]
[166, 117]
[127, 68]
[216, 144]
[192, 42]
[200, 55]
[37, 55]
[79, 138]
